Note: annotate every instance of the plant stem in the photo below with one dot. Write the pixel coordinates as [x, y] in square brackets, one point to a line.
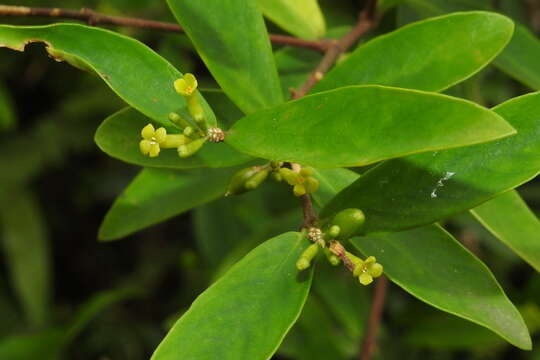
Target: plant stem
[335, 48]
[375, 315]
[94, 18]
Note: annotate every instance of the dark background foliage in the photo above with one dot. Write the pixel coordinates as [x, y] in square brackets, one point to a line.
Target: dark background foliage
[49, 158]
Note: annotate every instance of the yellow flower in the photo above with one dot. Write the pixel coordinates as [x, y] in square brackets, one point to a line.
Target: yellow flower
[186, 86]
[152, 138]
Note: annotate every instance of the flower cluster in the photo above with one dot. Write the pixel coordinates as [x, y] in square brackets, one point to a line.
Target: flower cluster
[192, 124]
[343, 226]
[302, 181]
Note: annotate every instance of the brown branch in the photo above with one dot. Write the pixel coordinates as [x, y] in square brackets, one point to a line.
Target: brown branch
[375, 315]
[334, 49]
[94, 18]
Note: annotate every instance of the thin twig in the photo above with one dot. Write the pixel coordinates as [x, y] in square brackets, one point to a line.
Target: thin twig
[94, 18]
[375, 315]
[335, 49]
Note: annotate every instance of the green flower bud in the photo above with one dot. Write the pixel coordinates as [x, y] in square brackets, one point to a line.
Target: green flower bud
[302, 264]
[349, 222]
[305, 259]
[257, 179]
[188, 131]
[277, 176]
[332, 259]
[238, 181]
[178, 120]
[333, 232]
[191, 148]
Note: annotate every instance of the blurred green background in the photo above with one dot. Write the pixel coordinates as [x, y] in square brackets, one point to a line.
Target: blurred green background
[64, 295]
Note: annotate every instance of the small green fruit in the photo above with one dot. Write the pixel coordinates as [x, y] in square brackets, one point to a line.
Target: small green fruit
[349, 221]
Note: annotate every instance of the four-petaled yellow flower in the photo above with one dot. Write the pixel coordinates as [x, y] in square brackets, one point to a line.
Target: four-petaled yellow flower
[367, 270]
[152, 138]
[186, 86]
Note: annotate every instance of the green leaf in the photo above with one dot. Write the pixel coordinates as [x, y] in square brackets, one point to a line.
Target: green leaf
[345, 127]
[7, 112]
[302, 18]
[119, 136]
[437, 7]
[158, 194]
[418, 57]
[332, 181]
[231, 38]
[262, 291]
[446, 332]
[520, 58]
[27, 254]
[431, 265]
[424, 188]
[134, 72]
[509, 219]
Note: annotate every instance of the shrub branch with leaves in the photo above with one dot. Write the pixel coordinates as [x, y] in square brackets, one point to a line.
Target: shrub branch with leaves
[431, 156]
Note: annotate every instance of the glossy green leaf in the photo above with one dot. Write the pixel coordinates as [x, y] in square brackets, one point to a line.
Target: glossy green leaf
[509, 219]
[520, 58]
[418, 57]
[436, 7]
[331, 182]
[262, 291]
[119, 136]
[7, 112]
[444, 332]
[302, 18]
[158, 194]
[424, 188]
[359, 125]
[26, 247]
[434, 267]
[231, 38]
[135, 72]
